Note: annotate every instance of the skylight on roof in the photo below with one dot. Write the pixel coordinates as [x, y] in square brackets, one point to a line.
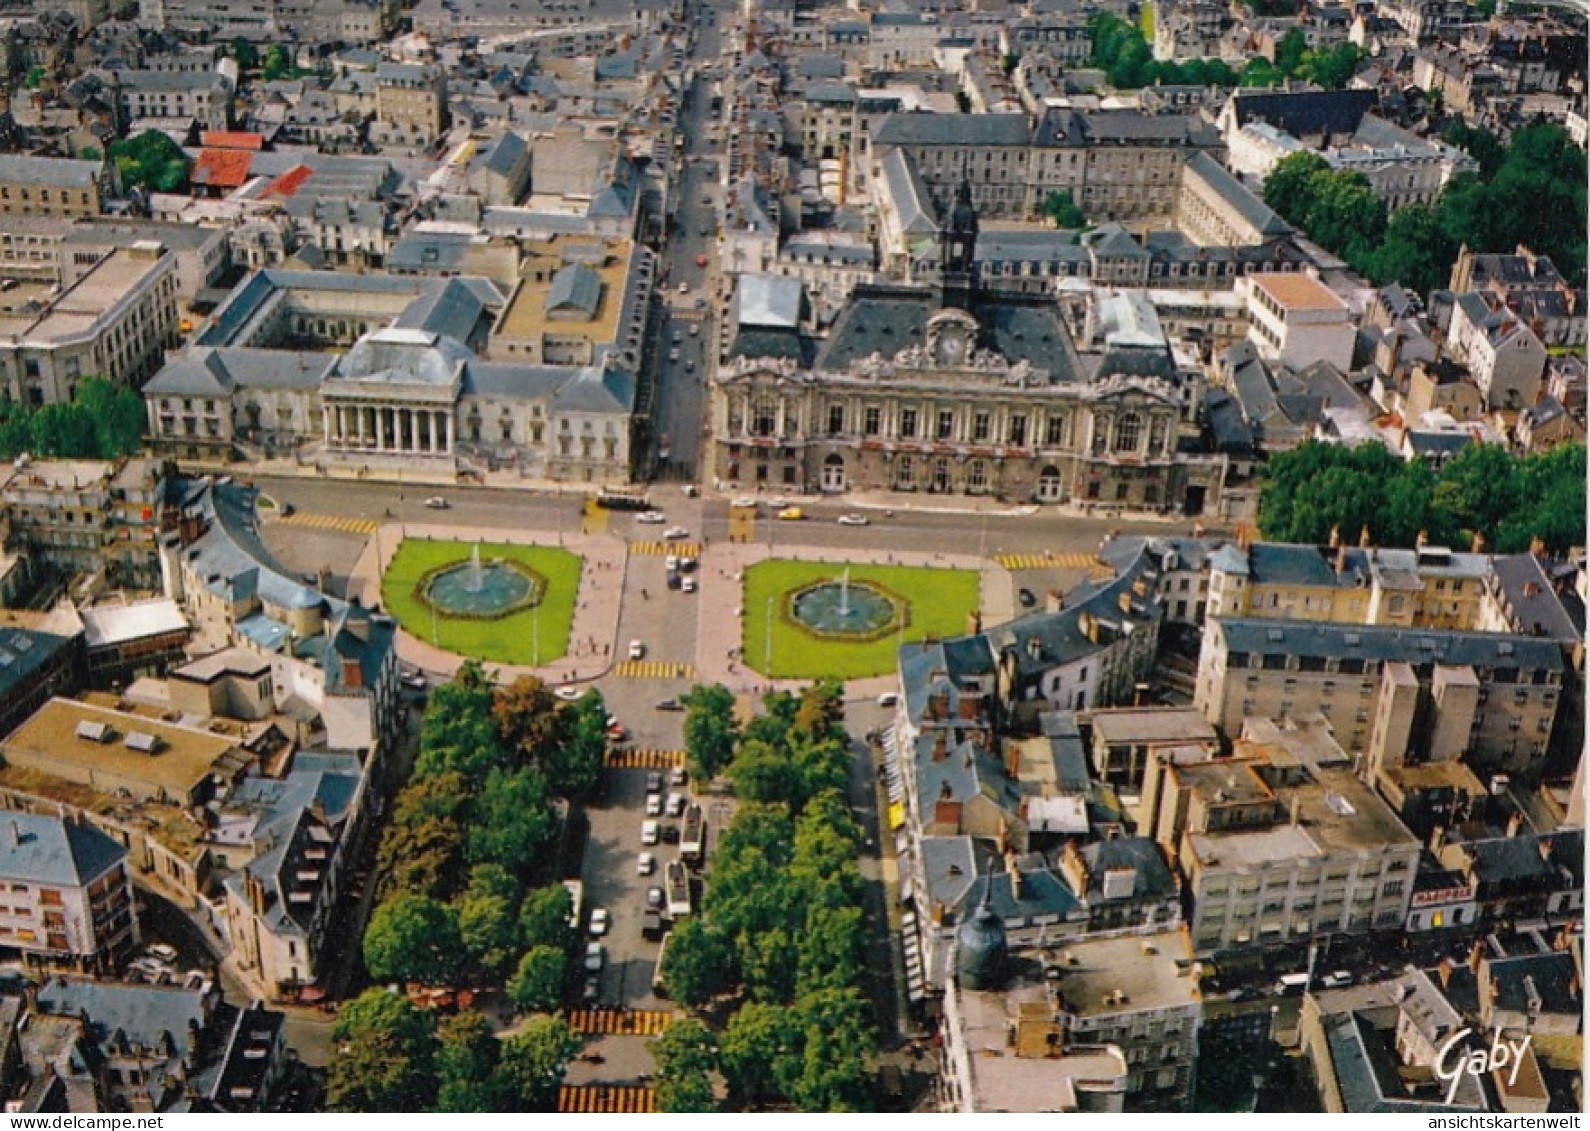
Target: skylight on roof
[143, 743]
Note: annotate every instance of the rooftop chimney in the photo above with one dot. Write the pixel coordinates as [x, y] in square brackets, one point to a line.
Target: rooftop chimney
[1514, 823]
[1336, 536]
[1341, 559]
[1363, 537]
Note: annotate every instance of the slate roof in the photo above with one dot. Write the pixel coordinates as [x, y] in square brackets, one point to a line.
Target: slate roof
[150, 1016]
[952, 129]
[1238, 195]
[1305, 113]
[208, 371]
[912, 202]
[48, 850]
[769, 300]
[1548, 982]
[1152, 876]
[575, 287]
[1384, 643]
[429, 251]
[22, 653]
[596, 389]
[16, 168]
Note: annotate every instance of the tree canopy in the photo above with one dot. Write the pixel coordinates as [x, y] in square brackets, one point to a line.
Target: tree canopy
[103, 421]
[386, 1056]
[710, 730]
[151, 161]
[413, 938]
[1482, 491]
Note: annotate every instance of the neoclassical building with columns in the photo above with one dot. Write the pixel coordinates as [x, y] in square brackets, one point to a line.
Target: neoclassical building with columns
[959, 389]
[412, 387]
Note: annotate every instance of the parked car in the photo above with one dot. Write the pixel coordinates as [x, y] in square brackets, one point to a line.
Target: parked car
[670, 834]
[678, 776]
[670, 705]
[792, 514]
[645, 864]
[675, 805]
[654, 782]
[648, 832]
[654, 805]
[568, 694]
[599, 921]
[695, 329]
[652, 518]
[654, 898]
[853, 520]
[594, 957]
[675, 534]
[688, 585]
[593, 989]
[637, 650]
[743, 502]
[1026, 598]
[436, 503]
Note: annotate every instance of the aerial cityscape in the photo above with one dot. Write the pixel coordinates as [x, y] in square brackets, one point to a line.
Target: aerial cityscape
[635, 556]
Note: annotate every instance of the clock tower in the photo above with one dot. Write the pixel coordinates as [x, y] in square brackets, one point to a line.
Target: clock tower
[959, 247]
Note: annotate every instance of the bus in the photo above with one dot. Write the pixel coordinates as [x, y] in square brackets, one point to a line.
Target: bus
[657, 986]
[692, 843]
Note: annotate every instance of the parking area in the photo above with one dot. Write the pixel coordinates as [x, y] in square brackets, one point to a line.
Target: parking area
[613, 881]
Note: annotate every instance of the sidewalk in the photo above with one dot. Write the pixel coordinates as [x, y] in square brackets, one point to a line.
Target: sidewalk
[596, 606]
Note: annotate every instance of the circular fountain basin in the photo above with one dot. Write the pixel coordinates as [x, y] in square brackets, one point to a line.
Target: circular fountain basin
[484, 591]
[853, 609]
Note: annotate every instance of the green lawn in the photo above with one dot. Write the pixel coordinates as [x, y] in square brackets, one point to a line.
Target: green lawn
[940, 602]
[510, 640]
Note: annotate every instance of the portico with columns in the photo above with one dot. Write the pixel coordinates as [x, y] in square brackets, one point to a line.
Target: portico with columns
[381, 428]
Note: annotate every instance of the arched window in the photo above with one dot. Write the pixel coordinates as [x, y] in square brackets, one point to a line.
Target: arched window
[941, 474]
[904, 474]
[977, 477]
[1127, 430]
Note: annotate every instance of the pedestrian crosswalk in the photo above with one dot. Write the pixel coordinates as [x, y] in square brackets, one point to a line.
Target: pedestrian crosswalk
[643, 759]
[339, 523]
[663, 549]
[1044, 561]
[606, 1099]
[620, 1022]
[654, 669]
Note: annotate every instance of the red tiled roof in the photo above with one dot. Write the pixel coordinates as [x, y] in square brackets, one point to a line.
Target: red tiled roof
[232, 139]
[289, 182]
[222, 168]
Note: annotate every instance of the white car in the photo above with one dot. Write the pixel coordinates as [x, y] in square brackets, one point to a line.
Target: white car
[436, 503]
[675, 805]
[675, 534]
[853, 520]
[695, 329]
[673, 355]
[743, 502]
[568, 694]
[651, 518]
[778, 501]
[671, 562]
[645, 864]
[654, 805]
[594, 957]
[599, 922]
[637, 650]
[687, 585]
[649, 832]
[684, 288]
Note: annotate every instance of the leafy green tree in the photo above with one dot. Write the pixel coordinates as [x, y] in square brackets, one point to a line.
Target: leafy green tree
[466, 1056]
[753, 1052]
[529, 719]
[413, 939]
[35, 77]
[513, 821]
[1415, 251]
[822, 765]
[151, 161]
[1479, 143]
[1478, 488]
[575, 768]
[278, 64]
[544, 918]
[61, 430]
[1290, 51]
[458, 733]
[1331, 67]
[245, 54]
[537, 983]
[532, 1063]
[118, 414]
[710, 730]
[1290, 188]
[1062, 211]
[830, 951]
[697, 964]
[421, 848]
[686, 1056]
[762, 773]
[836, 1052]
[386, 1056]
[488, 926]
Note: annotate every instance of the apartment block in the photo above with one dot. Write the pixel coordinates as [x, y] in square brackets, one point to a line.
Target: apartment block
[1391, 694]
[1297, 320]
[50, 186]
[66, 893]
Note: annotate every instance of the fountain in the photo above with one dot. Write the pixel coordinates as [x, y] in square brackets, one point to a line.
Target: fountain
[844, 609]
[481, 590]
[475, 581]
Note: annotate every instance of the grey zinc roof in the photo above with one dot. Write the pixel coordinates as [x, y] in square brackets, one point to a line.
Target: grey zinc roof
[404, 356]
[596, 390]
[48, 850]
[1238, 195]
[510, 379]
[151, 1016]
[451, 309]
[953, 129]
[54, 172]
[575, 287]
[1379, 642]
[506, 151]
[206, 371]
[912, 202]
[1141, 854]
[28, 651]
[769, 301]
[429, 251]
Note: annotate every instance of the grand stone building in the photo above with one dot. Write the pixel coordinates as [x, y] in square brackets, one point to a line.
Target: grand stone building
[960, 389]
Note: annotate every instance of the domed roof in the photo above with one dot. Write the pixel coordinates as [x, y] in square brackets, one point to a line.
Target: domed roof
[981, 950]
[404, 356]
